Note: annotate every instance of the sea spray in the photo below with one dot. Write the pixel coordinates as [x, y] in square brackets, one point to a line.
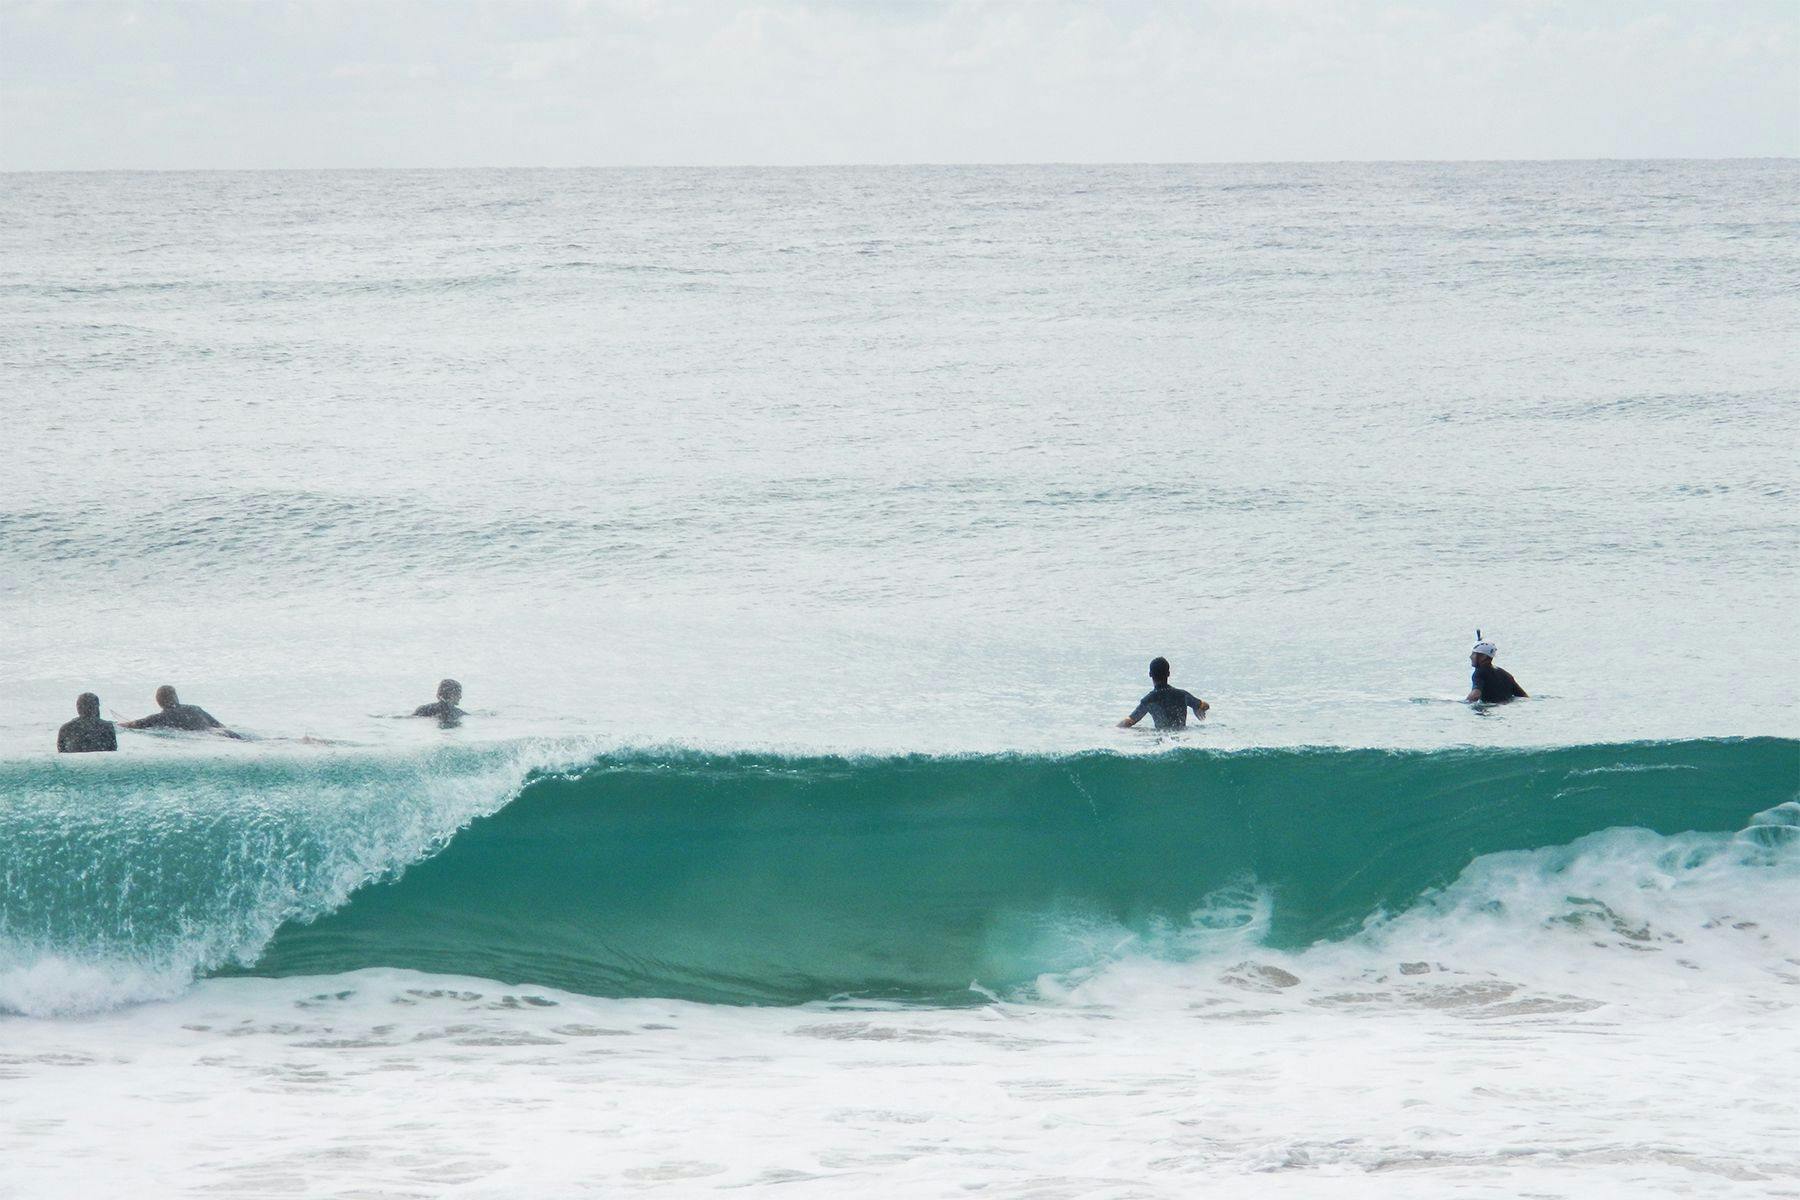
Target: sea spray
[121, 878]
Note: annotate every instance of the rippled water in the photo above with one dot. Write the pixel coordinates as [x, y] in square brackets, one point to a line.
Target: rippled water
[923, 463]
[906, 457]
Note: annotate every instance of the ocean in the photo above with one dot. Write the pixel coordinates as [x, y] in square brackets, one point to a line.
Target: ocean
[799, 538]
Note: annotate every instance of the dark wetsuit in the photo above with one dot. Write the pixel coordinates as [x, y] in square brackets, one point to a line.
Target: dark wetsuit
[179, 716]
[1496, 685]
[1167, 706]
[84, 735]
[447, 714]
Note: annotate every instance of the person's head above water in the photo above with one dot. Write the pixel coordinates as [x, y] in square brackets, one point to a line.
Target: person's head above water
[449, 691]
[165, 697]
[1159, 670]
[1483, 652]
[88, 705]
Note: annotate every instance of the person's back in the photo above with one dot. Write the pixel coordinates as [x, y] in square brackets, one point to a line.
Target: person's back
[87, 733]
[190, 717]
[1166, 706]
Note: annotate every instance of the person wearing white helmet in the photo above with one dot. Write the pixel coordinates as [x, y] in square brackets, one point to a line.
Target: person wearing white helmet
[1490, 684]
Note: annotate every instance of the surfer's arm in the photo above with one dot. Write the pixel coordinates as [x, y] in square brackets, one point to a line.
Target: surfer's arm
[1133, 719]
[214, 725]
[1473, 696]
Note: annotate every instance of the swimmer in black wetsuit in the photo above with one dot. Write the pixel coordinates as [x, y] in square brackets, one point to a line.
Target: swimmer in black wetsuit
[445, 710]
[1489, 684]
[1168, 706]
[87, 732]
[176, 715]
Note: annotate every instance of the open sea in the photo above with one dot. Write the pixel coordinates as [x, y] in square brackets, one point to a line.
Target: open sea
[799, 537]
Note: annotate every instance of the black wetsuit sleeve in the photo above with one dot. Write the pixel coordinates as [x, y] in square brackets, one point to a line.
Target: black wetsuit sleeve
[1143, 709]
[156, 720]
[1514, 684]
[426, 710]
[212, 722]
[1193, 701]
[63, 738]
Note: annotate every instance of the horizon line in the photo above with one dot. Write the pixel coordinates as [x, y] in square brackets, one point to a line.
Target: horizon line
[942, 164]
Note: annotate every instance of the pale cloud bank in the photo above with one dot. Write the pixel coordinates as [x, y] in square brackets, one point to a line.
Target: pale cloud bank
[329, 83]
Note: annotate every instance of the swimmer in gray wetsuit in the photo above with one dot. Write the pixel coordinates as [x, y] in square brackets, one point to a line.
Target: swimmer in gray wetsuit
[445, 711]
[1167, 706]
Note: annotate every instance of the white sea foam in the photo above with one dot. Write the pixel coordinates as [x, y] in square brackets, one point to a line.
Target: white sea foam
[1652, 924]
[390, 1082]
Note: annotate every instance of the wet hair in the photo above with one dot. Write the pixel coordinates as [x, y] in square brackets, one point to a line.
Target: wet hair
[87, 705]
[449, 691]
[165, 695]
[1159, 669]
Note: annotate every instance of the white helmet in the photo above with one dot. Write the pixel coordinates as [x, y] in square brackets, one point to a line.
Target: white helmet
[1486, 648]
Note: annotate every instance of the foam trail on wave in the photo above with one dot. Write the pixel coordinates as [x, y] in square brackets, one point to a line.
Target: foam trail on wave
[1622, 915]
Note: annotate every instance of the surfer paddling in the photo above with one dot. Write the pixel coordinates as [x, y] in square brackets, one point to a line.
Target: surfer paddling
[1489, 684]
[190, 718]
[1167, 706]
[87, 733]
[444, 711]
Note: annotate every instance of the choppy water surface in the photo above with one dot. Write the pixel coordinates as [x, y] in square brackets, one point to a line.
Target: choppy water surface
[799, 535]
[907, 458]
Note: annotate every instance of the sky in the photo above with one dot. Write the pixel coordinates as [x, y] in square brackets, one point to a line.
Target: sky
[181, 84]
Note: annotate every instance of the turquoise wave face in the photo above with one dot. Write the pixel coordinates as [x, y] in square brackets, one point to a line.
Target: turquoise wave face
[762, 879]
[121, 877]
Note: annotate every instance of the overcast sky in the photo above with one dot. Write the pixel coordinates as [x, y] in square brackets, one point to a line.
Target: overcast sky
[335, 83]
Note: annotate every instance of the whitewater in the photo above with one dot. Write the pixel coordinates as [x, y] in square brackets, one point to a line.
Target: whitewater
[799, 536]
